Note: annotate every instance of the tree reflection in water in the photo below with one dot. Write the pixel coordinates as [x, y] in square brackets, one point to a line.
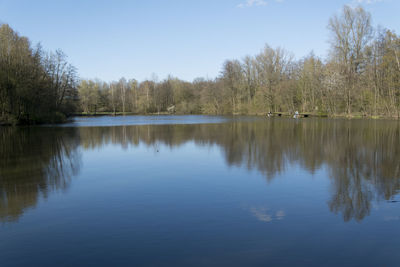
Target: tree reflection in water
[361, 156]
[34, 162]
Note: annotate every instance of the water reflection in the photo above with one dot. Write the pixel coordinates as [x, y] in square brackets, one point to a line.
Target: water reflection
[263, 214]
[34, 162]
[360, 157]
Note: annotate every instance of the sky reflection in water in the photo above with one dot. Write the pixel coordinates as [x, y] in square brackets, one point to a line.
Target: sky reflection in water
[245, 191]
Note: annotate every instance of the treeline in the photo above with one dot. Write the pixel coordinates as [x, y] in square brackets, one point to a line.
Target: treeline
[35, 86]
[361, 76]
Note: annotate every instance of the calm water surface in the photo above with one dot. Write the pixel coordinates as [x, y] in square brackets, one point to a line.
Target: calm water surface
[201, 191]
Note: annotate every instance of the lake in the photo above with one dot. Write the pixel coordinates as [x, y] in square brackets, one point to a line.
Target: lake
[201, 191]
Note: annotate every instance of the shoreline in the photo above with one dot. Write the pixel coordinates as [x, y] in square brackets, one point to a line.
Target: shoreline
[274, 115]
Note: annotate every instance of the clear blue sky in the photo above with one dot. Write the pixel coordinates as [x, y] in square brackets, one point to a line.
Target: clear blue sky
[185, 38]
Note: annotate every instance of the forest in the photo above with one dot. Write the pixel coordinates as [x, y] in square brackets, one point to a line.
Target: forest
[359, 77]
[35, 86]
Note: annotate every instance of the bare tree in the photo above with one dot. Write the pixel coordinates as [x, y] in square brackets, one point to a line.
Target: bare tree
[351, 33]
